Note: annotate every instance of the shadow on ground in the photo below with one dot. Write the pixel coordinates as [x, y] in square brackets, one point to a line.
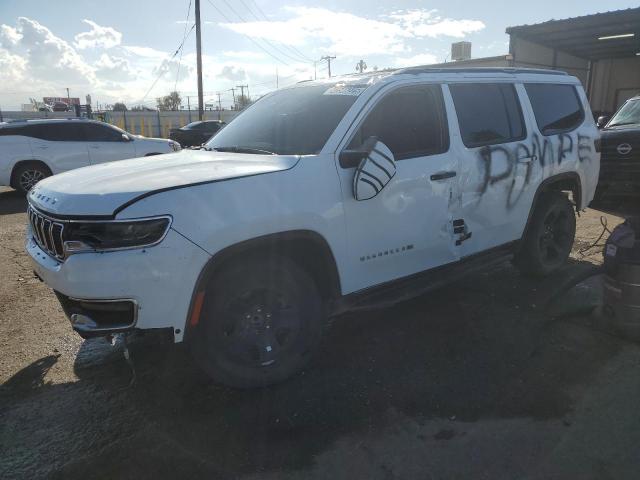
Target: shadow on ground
[480, 349]
[12, 201]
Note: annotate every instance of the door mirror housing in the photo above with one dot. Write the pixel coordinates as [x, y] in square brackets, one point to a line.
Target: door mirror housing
[126, 138]
[376, 169]
[602, 120]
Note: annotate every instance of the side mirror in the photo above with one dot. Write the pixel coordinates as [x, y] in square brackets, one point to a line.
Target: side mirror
[375, 170]
[602, 120]
[126, 138]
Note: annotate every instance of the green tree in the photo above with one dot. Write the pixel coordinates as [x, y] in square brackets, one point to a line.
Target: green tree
[169, 102]
[119, 107]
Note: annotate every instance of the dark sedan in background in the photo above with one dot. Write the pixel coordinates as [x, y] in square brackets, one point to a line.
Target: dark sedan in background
[620, 157]
[195, 133]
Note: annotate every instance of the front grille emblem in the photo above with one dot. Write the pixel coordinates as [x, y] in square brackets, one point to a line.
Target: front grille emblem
[624, 149]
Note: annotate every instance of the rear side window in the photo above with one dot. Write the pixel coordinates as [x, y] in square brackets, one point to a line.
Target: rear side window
[58, 132]
[557, 107]
[488, 113]
[410, 121]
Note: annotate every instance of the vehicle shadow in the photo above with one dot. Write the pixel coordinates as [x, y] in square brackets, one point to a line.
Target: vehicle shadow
[12, 201]
[483, 348]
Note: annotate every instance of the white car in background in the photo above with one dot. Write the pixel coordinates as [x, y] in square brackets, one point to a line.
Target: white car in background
[31, 150]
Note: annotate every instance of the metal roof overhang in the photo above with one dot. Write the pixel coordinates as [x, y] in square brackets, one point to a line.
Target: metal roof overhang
[579, 35]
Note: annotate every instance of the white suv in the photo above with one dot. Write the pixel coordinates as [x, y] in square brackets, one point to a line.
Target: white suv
[31, 150]
[323, 197]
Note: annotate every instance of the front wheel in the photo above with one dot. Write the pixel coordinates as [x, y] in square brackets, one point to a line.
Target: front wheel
[547, 243]
[261, 322]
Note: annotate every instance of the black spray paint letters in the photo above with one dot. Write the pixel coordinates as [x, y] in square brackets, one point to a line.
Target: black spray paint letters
[529, 155]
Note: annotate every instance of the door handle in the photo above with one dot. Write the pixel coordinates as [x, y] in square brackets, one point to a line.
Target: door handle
[43, 147]
[95, 147]
[442, 175]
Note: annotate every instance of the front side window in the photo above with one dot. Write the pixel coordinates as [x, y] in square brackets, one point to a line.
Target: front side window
[488, 113]
[557, 108]
[629, 114]
[101, 133]
[410, 121]
[293, 121]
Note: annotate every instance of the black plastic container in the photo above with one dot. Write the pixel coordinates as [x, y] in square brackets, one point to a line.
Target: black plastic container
[622, 279]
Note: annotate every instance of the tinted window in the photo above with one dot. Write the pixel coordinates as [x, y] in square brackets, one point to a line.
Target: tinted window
[488, 113]
[194, 126]
[295, 121]
[557, 107]
[101, 133]
[58, 131]
[211, 126]
[410, 121]
[14, 131]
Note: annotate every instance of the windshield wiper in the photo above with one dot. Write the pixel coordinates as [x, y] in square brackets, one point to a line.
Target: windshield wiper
[236, 149]
[623, 123]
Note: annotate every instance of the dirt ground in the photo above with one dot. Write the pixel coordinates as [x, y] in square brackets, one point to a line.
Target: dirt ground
[476, 380]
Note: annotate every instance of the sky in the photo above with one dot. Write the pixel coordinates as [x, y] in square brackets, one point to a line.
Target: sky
[130, 51]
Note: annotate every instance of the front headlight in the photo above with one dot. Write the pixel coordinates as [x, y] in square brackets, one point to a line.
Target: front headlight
[102, 236]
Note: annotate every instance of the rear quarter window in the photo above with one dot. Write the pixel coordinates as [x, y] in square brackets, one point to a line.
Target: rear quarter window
[557, 108]
[488, 113]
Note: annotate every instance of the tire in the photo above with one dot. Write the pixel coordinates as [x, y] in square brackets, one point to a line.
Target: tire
[547, 243]
[261, 322]
[26, 175]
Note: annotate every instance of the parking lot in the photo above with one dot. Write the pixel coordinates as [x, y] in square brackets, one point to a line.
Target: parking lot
[476, 380]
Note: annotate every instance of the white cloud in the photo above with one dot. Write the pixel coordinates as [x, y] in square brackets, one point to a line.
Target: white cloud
[47, 56]
[245, 54]
[98, 36]
[146, 52]
[235, 74]
[426, 23]
[419, 59]
[113, 68]
[346, 34]
[172, 68]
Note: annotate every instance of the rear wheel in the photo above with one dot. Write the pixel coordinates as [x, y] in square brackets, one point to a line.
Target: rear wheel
[28, 174]
[548, 241]
[261, 322]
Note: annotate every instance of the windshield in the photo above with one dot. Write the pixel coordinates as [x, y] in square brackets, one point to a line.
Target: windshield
[629, 114]
[294, 121]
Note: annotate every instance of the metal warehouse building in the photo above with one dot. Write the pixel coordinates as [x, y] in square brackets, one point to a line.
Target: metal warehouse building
[602, 50]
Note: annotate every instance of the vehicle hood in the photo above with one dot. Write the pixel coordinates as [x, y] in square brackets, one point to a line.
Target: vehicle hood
[101, 190]
[620, 143]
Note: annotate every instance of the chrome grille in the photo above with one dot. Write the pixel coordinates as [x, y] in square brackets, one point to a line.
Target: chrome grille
[47, 232]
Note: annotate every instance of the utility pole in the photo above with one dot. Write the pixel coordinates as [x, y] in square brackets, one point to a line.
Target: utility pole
[219, 107]
[361, 66]
[242, 97]
[199, 60]
[328, 58]
[233, 92]
[68, 97]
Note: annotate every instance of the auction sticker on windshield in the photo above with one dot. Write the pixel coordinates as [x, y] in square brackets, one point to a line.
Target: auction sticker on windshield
[352, 90]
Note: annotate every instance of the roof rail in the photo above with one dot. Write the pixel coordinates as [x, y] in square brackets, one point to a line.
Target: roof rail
[511, 70]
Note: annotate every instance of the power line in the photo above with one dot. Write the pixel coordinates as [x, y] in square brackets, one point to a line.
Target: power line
[290, 47]
[247, 36]
[171, 58]
[275, 47]
[184, 36]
